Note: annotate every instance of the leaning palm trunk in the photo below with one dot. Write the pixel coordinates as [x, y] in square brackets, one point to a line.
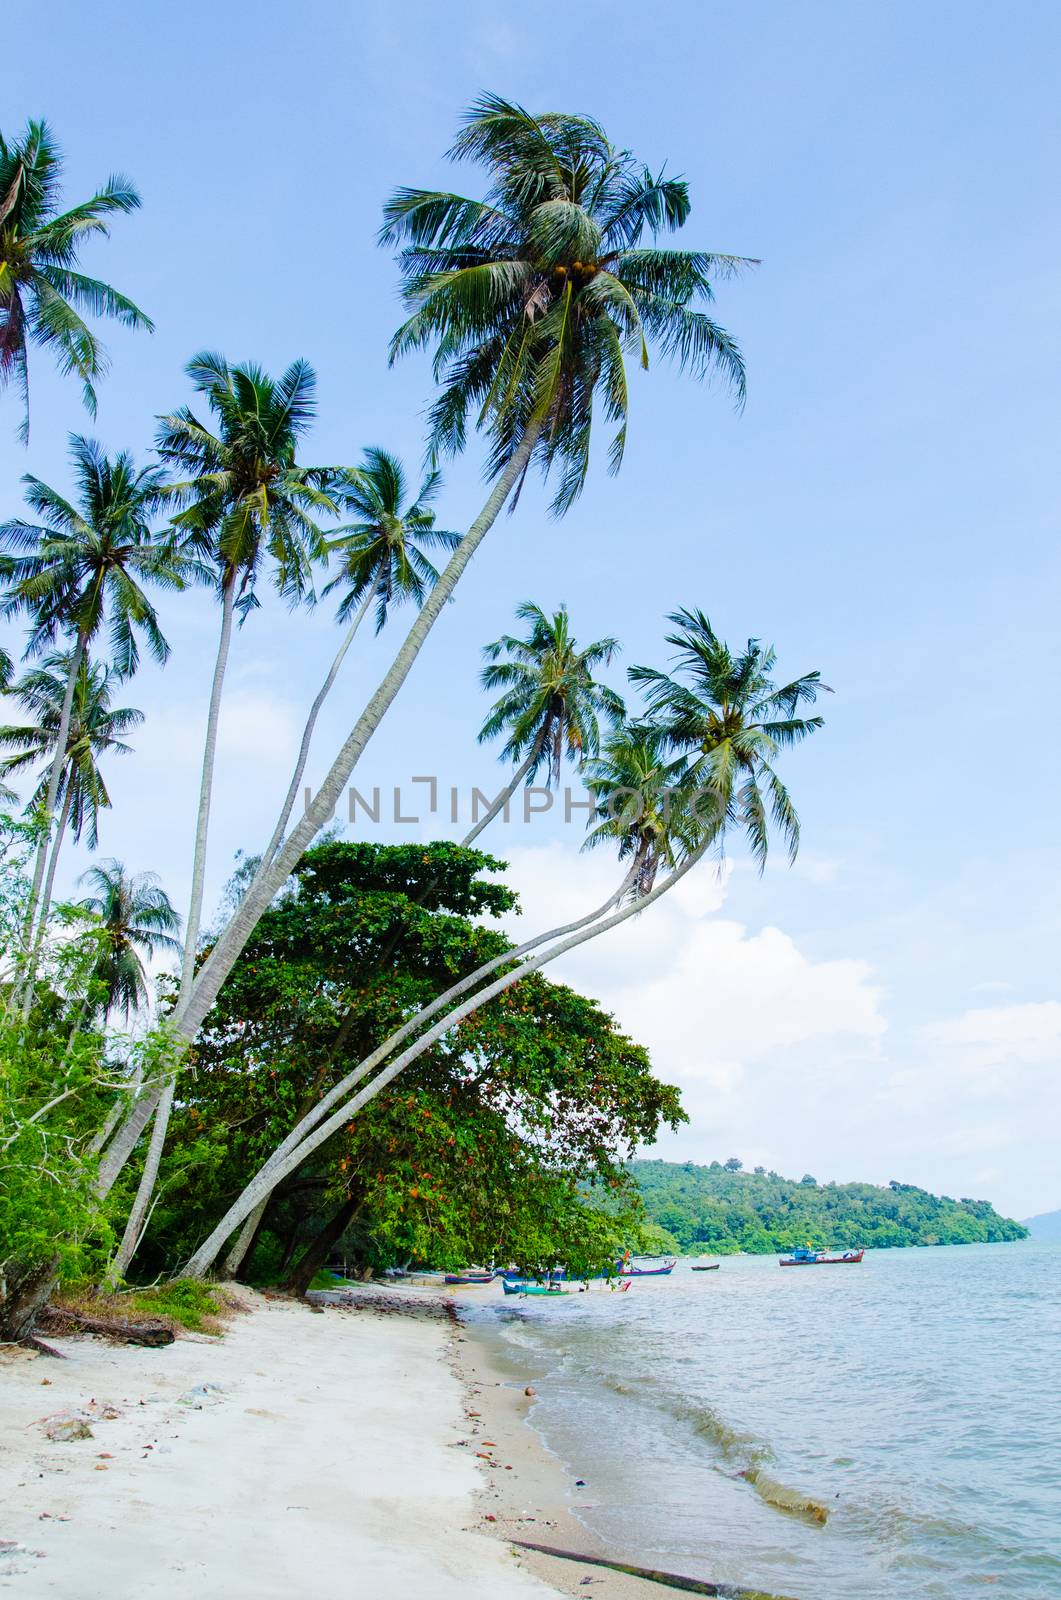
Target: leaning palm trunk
[269, 1177]
[312, 1117]
[163, 1097]
[307, 734]
[34, 924]
[502, 801]
[272, 875]
[137, 1219]
[53, 859]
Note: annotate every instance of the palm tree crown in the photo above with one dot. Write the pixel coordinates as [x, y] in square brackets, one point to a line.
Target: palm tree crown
[86, 563]
[137, 920]
[643, 803]
[96, 728]
[246, 496]
[382, 554]
[725, 714]
[41, 293]
[551, 703]
[534, 295]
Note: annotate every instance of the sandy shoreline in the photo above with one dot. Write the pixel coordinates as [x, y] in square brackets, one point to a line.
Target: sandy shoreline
[325, 1460]
[361, 1443]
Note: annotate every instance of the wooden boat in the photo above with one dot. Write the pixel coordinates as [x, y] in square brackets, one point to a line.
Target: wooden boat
[628, 1271]
[454, 1278]
[712, 1266]
[532, 1288]
[817, 1258]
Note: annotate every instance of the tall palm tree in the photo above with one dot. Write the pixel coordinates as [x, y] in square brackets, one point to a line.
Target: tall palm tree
[244, 500]
[382, 561]
[534, 295]
[41, 293]
[722, 710]
[96, 729]
[642, 803]
[684, 810]
[137, 920]
[83, 568]
[531, 360]
[551, 704]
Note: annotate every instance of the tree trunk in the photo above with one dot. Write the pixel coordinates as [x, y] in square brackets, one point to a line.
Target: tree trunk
[134, 1227]
[507, 792]
[137, 1219]
[319, 1249]
[307, 736]
[271, 877]
[126, 1139]
[53, 860]
[247, 1237]
[25, 1290]
[33, 926]
[267, 1179]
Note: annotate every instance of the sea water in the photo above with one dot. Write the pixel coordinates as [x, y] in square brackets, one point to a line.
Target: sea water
[867, 1432]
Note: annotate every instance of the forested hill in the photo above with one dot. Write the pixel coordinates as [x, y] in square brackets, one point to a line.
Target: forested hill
[721, 1209]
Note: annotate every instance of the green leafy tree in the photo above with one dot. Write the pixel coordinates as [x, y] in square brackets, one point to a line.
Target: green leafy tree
[551, 704]
[483, 1150]
[42, 295]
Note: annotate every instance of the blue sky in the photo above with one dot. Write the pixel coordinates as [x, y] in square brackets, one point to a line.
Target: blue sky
[885, 508]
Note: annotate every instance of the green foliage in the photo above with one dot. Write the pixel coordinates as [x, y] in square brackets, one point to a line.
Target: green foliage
[507, 1139]
[194, 1305]
[41, 293]
[720, 1210]
[534, 296]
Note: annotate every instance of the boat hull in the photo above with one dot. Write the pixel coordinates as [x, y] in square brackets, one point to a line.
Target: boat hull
[850, 1260]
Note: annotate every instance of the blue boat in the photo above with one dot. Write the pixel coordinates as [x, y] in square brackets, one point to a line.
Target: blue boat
[516, 1286]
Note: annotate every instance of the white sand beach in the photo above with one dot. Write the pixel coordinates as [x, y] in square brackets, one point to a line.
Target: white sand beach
[325, 1462]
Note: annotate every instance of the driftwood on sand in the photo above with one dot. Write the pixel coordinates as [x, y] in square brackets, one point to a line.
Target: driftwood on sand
[60, 1320]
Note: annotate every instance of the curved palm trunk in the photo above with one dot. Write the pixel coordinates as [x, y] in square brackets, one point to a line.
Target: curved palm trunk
[53, 860]
[268, 1178]
[136, 1221]
[270, 877]
[312, 1117]
[507, 792]
[247, 1234]
[33, 927]
[307, 735]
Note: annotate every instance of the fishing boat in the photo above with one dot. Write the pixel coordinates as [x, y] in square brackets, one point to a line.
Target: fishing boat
[516, 1287]
[455, 1278]
[627, 1270]
[803, 1257]
[707, 1266]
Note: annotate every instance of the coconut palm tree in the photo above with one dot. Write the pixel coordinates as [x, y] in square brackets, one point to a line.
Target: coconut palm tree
[382, 561]
[83, 568]
[137, 920]
[722, 710]
[642, 802]
[551, 705]
[41, 294]
[683, 812]
[95, 729]
[535, 295]
[244, 500]
[531, 362]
